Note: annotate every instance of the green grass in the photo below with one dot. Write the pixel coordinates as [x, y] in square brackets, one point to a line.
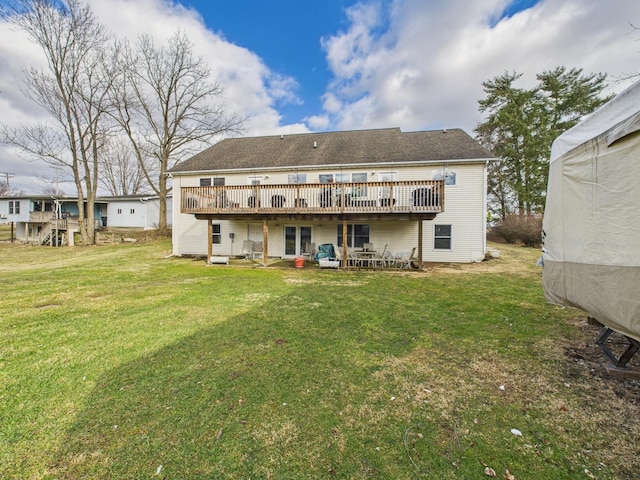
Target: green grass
[116, 362]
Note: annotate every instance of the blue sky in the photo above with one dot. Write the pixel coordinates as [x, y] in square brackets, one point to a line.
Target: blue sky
[321, 65]
[287, 35]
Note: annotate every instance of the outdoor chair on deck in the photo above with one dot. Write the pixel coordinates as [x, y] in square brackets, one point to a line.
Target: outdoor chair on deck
[277, 201]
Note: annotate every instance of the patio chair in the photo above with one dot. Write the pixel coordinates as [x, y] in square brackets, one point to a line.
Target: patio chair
[277, 201]
[309, 250]
[405, 261]
[380, 259]
[247, 249]
[257, 250]
[326, 256]
[325, 198]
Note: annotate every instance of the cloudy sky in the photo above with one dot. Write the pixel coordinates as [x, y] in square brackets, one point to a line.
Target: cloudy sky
[312, 65]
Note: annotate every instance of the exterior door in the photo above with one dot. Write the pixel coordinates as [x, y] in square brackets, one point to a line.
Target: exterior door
[295, 239]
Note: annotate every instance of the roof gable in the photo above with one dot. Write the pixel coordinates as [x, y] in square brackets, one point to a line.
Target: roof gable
[383, 146]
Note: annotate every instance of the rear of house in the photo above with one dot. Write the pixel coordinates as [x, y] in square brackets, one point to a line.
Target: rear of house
[417, 190]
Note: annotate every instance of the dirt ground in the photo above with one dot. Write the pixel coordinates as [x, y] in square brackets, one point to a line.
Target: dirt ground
[585, 357]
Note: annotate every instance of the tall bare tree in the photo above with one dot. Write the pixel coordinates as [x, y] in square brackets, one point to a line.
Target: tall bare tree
[120, 172]
[168, 106]
[73, 89]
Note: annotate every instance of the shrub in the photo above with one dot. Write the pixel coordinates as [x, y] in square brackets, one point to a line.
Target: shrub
[522, 229]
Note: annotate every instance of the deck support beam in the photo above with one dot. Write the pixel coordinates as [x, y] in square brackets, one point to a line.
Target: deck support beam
[420, 228]
[345, 245]
[209, 239]
[265, 242]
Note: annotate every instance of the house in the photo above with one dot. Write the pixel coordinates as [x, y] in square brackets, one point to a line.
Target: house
[46, 219]
[404, 190]
[135, 211]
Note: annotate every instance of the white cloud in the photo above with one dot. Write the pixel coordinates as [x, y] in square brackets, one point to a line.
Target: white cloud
[421, 64]
[318, 122]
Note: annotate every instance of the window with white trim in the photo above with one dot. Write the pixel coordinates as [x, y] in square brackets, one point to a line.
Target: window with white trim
[216, 238]
[215, 181]
[357, 235]
[442, 237]
[446, 174]
[14, 207]
[296, 178]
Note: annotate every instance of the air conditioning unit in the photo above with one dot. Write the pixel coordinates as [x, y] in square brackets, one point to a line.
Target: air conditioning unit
[3, 215]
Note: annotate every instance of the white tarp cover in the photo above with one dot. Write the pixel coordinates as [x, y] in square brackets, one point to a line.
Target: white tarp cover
[591, 226]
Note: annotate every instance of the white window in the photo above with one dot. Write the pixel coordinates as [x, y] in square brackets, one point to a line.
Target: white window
[357, 235]
[255, 180]
[442, 237]
[446, 174]
[132, 211]
[295, 178]
[207, 182]
[119, 211]
[217, 234]
[14, 207]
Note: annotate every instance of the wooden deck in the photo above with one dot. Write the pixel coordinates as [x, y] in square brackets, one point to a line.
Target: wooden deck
[400, 199]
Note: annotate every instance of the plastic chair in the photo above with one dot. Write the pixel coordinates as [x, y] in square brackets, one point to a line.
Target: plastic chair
[247, 249]
[309, 250]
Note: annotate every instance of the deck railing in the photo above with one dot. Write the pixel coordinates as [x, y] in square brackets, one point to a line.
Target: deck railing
[419, 196]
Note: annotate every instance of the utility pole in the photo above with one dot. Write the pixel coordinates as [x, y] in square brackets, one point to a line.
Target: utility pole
[7, 176]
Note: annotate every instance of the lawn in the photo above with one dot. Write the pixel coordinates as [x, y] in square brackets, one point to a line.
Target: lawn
[122, 362]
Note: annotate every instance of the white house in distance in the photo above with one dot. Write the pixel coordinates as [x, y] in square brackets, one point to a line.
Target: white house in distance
[403, 190]
[135, 211]
[51, 220]
[45, 219]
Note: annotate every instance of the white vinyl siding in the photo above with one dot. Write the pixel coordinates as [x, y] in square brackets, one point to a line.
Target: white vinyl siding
[465, 211]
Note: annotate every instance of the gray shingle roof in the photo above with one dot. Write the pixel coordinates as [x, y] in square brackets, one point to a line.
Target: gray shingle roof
[381, 146]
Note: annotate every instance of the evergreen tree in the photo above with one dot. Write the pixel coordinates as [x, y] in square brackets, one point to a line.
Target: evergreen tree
[521, 125]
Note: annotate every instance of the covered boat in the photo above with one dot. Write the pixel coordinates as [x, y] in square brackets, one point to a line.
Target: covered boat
[591, 226]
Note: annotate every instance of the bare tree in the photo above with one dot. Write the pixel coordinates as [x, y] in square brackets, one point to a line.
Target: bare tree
[73, 89]
[167, 107]
[5, 191]
[120, 172]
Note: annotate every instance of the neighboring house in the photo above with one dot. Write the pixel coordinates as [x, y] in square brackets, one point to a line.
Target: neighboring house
[423, 190]
[44, 219]
[47, 220]
[135, 211]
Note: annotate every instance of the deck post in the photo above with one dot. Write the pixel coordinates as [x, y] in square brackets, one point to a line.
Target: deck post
[209, 239]
[345, 246]
[265, 242]
[420, 228]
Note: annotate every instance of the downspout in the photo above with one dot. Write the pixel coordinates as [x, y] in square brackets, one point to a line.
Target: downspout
[484, 207]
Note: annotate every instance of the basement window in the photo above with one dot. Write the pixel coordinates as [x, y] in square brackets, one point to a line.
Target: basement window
[442, 237]
[216, 238]
[357, 235]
